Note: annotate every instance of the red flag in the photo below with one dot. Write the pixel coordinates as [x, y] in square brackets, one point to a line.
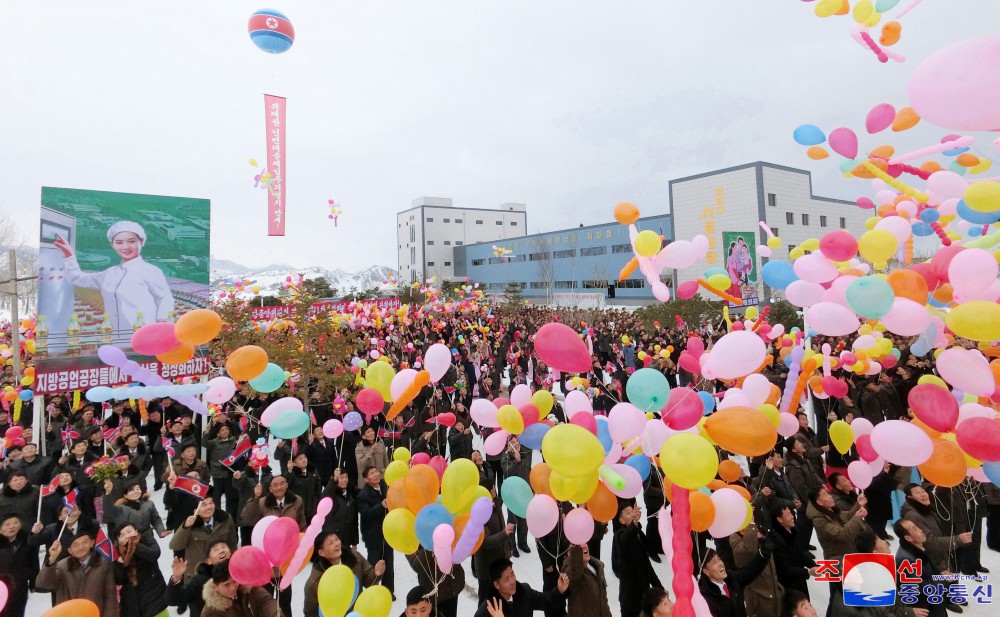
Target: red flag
[69, 499]
[274, 133]
[110, 434]
[242, 447]
[69, 435]
[105, 547]
[51, 487]
[191, 486]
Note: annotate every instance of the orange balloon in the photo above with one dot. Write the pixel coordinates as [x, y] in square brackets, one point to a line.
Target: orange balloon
[884, 151]
[603, 505]
[198, 327]
[891, 31]
[885, 209]
[702, 511]
[944, 294]
[906, 118]
[74, 608]
[817, 153]
[742, 430]
[739, 489]
[179, 355]
[773, 395]
[395, 497]
[421, 488]
[995, 369]
[539, 479]
[716, 484]
[422, 379]
[460, 522]
[626, 213]
[946, 467]
[284, 566]
[908, 284]
[917, 422]
[246, 363]
[931, 166]
[816, 383]
[729, 471]
[844, 9]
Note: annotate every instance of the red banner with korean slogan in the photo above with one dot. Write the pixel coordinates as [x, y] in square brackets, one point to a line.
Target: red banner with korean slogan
[274, 117]
[264, 313]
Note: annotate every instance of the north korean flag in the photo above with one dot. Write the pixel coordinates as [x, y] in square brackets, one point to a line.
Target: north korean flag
[243, 446]
[69, 499]
[69, 435]
[105, 547]
[191, 486]
[51, 487]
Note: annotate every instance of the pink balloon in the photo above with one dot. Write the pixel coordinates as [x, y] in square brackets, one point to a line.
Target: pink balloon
[496, 442]
[14, 432]
[860, 474]
[897, 226]
[448, 419]
[278, 407]
[250, 566]
[948, 89]
[838, 245]
[737, 354]
[653, 436]
[155, 338]
[633, 481]
[980, 439]
[500, 402]
[687, 290]
[369, 401]
[400, 381]
[880, 118]
[838, 290]
[626, 422]
[974, 410]
[280, 540]
[803, 293]
[844, 142]
[484, 413]
[542, 515]
[333, 428]
[520, 395]
[863, 443]
[934, 406]
[906, 318]
[947, 184]
[787, 425]
[901, 443]
[972, 271]
[560, 347]
[730, 512]
[579, 526]
[444, 537]
[437, 360]
[220, 390]
[421, 458]
[577, 401]
[438, 464]
[586, 420]
[815, 268]
[831, 319]
[967, 370]
[683, 409]
[861, 426]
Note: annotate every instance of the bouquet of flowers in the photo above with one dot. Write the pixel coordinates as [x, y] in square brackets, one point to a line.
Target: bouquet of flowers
[107, 468]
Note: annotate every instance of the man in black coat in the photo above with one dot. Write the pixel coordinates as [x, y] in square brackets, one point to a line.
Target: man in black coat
[372, 509]
[723, 589]
[510, 598]
[631, 560]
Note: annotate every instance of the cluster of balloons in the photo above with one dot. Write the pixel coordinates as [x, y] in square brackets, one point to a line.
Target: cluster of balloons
[238, 287]
[390, 279]
[175, 343]
[335, 211]
[502, 253]
[338, 591]
[867, 14]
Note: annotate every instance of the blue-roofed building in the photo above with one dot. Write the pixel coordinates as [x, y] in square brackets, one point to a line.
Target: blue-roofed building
[577, 266]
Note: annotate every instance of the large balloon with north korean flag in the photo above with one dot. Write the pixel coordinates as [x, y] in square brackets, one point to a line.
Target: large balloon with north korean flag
[271, 31]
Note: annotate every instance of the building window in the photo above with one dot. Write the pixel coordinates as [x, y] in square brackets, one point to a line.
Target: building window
[538, 256]
[430, 243]
[515, 258]
[591, 251]
[458, 243]
[413, 234]
[479, 221]
[413, 255]
[430, 263]
[772, 200]
[445, 220]
[595, 284]
[631, 284]
[447, 242]
[774, 230]
[805, 218]
[564, 254]
[789, 218]
[843, 223]
[564, 285]
[494, 261]
[477, 262]
[822, 220]
[539, 285]
[447, 263]
[513, 223]
[458, 220]
[499, 222]
[430, 220]
[621, 248]
[496, 285]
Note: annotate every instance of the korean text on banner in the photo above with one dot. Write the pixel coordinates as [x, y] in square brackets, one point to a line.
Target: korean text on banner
[274, 116]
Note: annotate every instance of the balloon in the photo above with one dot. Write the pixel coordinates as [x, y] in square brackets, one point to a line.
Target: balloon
[860, 474]
[496, 442]
[841, 436]
[578, 526]
[437, 361]
[808, 135]
[978, 320]
[270, 380]
[729, 471]
[458, 482]
[973, 270]
[376, 601]
[352, 421]
[946, 467]
[290, 424]
[877, 245]
[736, 354]
[648, 389]
[398, 385]
[870, 297]
[626, 422]
[901, 443]
[220, 390]
[250, 566]
[689, 460]
[879, 119]
[908, 284]
[967, 370]
[778, 274]
[542, 400]
[428, 519]
[626, 213]
[934, 406]
[603, 504]
[730, 513]
[198, 327]
[815, 268]
[861, 426]
[279, 407]
[257, 534]
[272, 32]
[155, 338]
[980, 439]
[79, 607]
[572, 451]
[741, 430]
[533, 436]
[640, 463]
[647, 243]
[484, 413]
[398, 529]
[516, 494]
[577, 401]
[336, 590]
[246, 363]
[179, 355]
[542, 515]
[379, 376]
[579, 490]
[831, 319]
[111, 355]
[907, 318]
[683, 409]
[280, 540]
[422, 487]
[559, 346]
[844, 142]
[702, 511]
[334, 428]
[804, 293]
[945, 89]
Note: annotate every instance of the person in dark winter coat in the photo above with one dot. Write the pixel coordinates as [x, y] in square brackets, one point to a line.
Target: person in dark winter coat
[938, 544]
[509, 598]
[188, 594]
[879, 494]
[224, 597]
[138, 454]
[912, 548]
[814, 452]
[199, 531]
[245, 481]
[53, 504]
[516, 462]
[322, 453]
[793, 565]
[495, 544]
[723, 588]
[372, 509]
[38, 469]
[84, 574]
[804, 479]
[21, 498]
[75, 522]
[134, 508]
[220, 443]
[143, 590]
[343, 516]
[440, 589]
[18, 564]
[588, 595]
[304, 481]
[460, 442]
[631, 560]
[774, 490]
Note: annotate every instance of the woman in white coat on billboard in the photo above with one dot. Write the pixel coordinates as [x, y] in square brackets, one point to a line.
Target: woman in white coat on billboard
[132, 287]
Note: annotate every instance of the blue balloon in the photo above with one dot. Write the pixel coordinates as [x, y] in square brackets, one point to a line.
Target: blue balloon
[290, 424]
[778, 274]
[533, 435]
[100, 394]
[808, 135]
[648, 389]
[870, 297]
[640, 463]
[974, 216]
[954, 151]
[707, 401]
[270, 380]
[992, 471]
[271, 31]
[429, 517]
[929, 215]
[922, 230]
[26, 395]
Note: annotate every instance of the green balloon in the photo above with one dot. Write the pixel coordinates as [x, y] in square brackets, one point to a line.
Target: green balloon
[516, 494]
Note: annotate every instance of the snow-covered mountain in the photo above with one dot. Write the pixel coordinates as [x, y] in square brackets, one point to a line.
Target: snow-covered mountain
[270, 278]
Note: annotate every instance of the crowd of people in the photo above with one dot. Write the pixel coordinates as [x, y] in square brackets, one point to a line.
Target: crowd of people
[66, 534]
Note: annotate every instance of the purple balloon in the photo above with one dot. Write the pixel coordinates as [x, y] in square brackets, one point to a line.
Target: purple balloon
[352, 421]
[111, 355]
[481, 511]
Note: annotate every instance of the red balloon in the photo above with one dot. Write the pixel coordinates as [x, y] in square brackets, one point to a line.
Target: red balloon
[865, 450]
[155, 339]
[529, 413]
[420, 458]
[561, 348]
[683, 409]
[926, 270]
[586, 420]
[980, 438]
[942, 259]
[500, 402]
[250, 566]
[446, 419]
[687, 290]
[934, 406]
[369, 401]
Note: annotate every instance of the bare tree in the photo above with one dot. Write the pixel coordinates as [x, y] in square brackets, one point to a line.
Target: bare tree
[12, 238]
[546, 275]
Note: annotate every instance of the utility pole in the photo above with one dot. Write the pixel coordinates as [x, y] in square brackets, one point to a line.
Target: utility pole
[15, 333]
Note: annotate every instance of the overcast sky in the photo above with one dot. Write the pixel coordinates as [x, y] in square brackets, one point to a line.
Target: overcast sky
[569, 107]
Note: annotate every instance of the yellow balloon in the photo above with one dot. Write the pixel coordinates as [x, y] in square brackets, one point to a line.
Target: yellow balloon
[826, 8]
[863, 11]
[647, 243]
[476, 492]
[572, 450]
[253, 162]
[379, 375]
[934, 379]
[401, 454]
[335, 590]
[877, 245]
[374, 601]
[398, 530]
[510, 419]
[688, 460]
[396, 470]
[460, 477]
[811, 244]
[977, 320]
[720, 282]
[772, 414]
[842, 436]
[752, 312]
[577, 490]
[983, 196]
[543, 401]
[774, 242]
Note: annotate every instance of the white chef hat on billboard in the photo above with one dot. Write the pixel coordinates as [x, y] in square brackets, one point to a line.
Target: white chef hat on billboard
[123, 226]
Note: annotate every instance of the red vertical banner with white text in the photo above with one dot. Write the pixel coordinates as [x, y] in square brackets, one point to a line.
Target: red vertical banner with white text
[274, 116]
